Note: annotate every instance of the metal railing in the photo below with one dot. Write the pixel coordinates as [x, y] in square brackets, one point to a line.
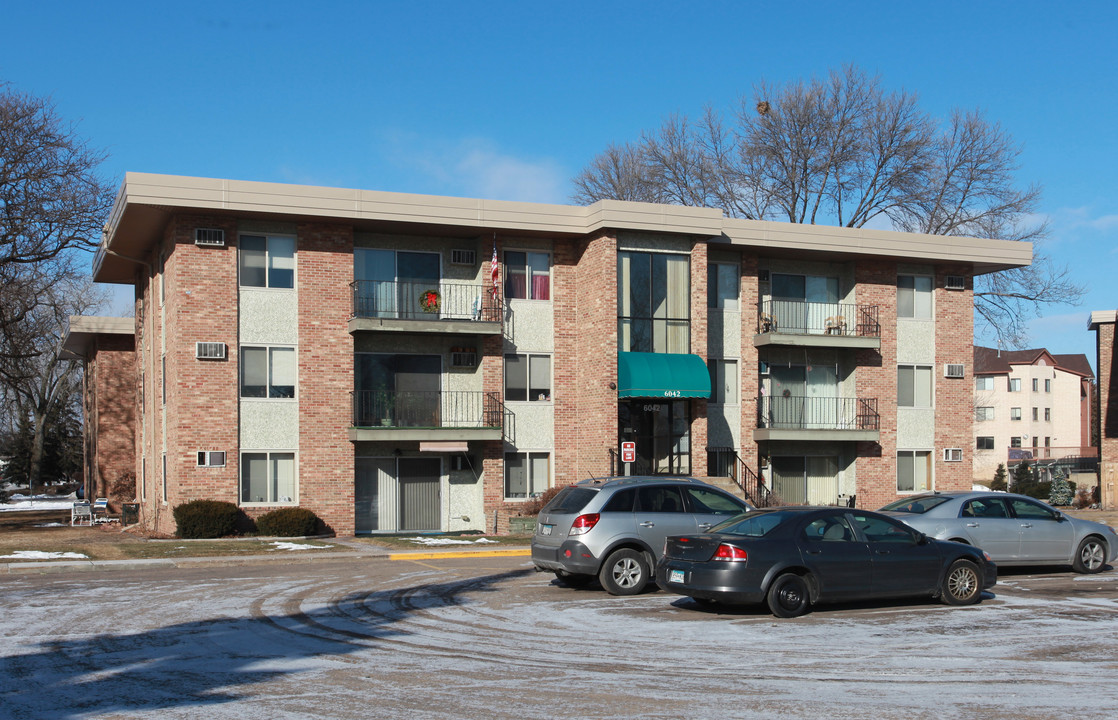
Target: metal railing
[725, 462]
[1078, 458]
[798, 412]
[431, 300]
[799, 317]
[427, 409]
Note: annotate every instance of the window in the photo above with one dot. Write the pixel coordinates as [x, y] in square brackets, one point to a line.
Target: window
[163, 379]
[1015, 442]
[1035, 384]
[829, 529]
[1015, 413]
[985, 442]
[404, 391]
[528, 377]
[654, 305]
[984, 383]
[914, 386]
[527, 275]
[983, 413]
[526, 473]
[914, 470]
[723, 381]
[267, 261]
[163, 477]
[211, 458]
[1048, 386]
[268, 477]
[1036, 414]
[267, 372]
[1014, 384]
[914, 296]
[722, 286]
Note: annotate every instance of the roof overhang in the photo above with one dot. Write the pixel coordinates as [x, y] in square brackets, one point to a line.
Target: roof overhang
[84, 329]
[1102, 317]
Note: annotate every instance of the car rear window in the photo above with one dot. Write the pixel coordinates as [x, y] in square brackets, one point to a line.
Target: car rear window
[570, 500]
[752, 524]
[916, 505]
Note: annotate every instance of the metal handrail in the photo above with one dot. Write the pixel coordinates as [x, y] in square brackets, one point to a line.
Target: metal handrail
[799, 317]
[729, 464]
[427, 409]
[425, 300]
[799, 412]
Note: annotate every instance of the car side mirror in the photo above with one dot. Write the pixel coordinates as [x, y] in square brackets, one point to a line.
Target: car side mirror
[921, 539]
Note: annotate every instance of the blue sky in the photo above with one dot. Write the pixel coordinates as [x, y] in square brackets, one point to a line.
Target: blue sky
[509, 100]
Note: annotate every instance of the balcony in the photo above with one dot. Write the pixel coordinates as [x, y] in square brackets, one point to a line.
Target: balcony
[426, 307]
[426, 415]
[815, 324]
[817, 418]
[1073, 459]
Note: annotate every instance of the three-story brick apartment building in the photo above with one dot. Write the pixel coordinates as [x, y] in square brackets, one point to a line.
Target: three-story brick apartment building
[403, 363]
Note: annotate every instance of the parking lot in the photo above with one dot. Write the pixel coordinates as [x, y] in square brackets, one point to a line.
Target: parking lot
[487, 637]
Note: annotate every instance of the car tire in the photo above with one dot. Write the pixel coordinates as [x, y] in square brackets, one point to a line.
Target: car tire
[625, 572]
[573, 580]
[1090, 556]
[788, 596]
[962, 584]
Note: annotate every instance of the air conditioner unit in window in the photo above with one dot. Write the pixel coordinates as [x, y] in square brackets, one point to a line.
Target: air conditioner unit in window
[955, 282]
[952, 454]
[209, 350]
[211, 458]
[954, 370]
[209, 237]
[463, 257]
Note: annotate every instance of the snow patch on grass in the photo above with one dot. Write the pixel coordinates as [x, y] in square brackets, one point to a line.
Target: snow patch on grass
[41, 555]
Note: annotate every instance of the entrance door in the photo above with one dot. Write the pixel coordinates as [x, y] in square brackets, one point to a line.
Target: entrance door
[419, 494]
[806, 480]
[397, 495]
[418, 379]
[662, 432]
[804, 397]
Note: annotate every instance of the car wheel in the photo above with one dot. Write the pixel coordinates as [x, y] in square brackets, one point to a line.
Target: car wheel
[575, 580]
[625, 572]
[1090, 556]
[788, 596]
[962, 585]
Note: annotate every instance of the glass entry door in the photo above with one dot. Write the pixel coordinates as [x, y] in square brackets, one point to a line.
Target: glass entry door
[804, 397]
[799, 480]
[662, 433]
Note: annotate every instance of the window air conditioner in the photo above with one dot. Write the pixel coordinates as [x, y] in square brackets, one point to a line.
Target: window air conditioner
[952, 454]
[209, 350]
[209, 237]
[954, 370]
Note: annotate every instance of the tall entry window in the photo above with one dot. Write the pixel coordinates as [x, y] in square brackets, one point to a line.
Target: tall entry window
[654, 313]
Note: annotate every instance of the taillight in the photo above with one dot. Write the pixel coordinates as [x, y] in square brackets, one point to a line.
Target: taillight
[729, 553]
[583, 523]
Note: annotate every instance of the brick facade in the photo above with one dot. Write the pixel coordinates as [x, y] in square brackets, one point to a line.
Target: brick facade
[1106, 343]
[110, 417]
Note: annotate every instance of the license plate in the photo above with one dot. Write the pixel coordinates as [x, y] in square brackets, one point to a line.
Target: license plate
[546, 529]
[675, 576]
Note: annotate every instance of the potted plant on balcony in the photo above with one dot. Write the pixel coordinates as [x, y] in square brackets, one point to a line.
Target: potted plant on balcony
[429, 301]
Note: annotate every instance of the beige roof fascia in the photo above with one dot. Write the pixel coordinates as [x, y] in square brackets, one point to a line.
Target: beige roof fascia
[83, 328]
[1101, 317]
[984, 255]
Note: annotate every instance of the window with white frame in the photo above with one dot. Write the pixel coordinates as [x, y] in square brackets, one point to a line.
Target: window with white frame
[1015, 413]
[268, 477]
[914, 386]
[267, 261]
[528, 377]
[527, 275]
[723, 381]
[984, 382]
[1036, 384]
[1015, 442]
[526, 474]
[914, 296]
[914, 470]
[1048, 385]
[1047, 414]
[983, 413]
[1014, 384]
[722, 286]
[985, 442]
[1036, 414]
[653, 302]
[268, 372]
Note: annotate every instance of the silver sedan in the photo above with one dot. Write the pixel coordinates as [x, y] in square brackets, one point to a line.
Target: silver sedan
[1013, 529]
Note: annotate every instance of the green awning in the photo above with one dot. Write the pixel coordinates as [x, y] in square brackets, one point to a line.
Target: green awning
[661, 375]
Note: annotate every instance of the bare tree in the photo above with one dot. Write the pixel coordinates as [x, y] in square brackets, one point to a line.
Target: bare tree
[843, 151]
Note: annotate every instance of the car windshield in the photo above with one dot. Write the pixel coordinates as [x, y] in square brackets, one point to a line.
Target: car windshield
[752, 524]
[916, 505]
[570, 500]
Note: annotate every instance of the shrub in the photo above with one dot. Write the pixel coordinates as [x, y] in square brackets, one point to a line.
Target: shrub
[534, 505]
[999, 483]
[206, 519]
[288, 522]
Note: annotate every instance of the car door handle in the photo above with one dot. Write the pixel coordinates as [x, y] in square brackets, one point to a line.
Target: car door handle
[648, 523]
[705, 526]
[882, 552]
[1026, 525]
[814, 552]
[972, 524]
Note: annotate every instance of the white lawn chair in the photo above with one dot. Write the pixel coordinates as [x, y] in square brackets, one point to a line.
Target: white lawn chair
[81, 514]
[100, 510]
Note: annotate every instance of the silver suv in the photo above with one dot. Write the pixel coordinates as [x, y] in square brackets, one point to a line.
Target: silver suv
[614, 528]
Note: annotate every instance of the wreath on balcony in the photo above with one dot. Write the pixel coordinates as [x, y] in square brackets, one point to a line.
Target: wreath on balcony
[429, 301]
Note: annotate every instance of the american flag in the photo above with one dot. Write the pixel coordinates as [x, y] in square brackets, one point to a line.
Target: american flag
[494, 271]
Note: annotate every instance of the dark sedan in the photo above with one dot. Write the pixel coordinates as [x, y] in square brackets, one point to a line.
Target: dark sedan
[795, 557]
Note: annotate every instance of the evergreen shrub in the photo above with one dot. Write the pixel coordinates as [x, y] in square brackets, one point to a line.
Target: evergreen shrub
[200, 519]
[288, 522]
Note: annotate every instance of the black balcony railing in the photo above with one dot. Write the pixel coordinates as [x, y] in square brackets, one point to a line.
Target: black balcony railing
[796, 412]
[427, 409]
[725, 462]
[798, 317]
[429, 300]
